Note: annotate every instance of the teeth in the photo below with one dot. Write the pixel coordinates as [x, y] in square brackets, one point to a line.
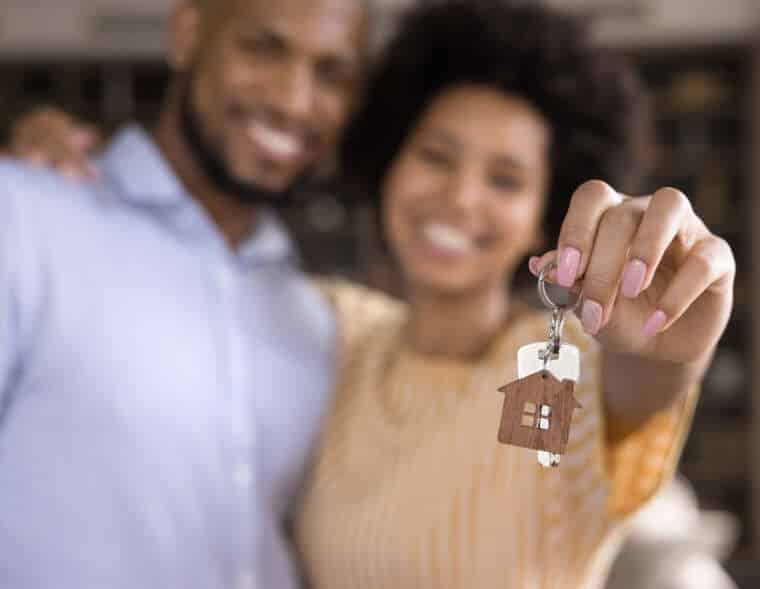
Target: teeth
[448, 237]
[281, 144]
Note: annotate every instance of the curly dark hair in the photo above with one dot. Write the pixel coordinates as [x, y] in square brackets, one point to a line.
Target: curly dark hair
[592, 99]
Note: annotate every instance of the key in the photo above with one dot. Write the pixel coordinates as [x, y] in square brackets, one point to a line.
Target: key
[539, 405]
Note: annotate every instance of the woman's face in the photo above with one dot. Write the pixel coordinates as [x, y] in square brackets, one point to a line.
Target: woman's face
[464, 198]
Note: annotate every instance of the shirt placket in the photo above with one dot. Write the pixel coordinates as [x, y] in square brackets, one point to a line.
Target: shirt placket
[238, 417]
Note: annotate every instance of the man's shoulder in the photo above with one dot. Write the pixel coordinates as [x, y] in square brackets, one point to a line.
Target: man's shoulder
[31, 190]
[18, 176]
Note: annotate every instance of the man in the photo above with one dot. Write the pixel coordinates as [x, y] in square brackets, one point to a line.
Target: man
[164, 366]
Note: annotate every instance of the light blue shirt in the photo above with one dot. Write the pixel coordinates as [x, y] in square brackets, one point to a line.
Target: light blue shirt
[159, 394]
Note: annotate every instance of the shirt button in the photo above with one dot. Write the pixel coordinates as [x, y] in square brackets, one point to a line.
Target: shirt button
[242, 475]
[245, 581]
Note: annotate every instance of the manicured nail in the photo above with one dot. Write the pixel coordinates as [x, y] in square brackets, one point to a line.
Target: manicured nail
[633, 278]
[533, 264]
[591, 316]
[654, 324]
[567, 270]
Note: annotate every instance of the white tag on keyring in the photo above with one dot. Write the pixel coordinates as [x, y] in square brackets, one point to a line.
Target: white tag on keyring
[566, 366]
[539, 405]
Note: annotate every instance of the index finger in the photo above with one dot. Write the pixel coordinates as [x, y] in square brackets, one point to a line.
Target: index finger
[580, 226]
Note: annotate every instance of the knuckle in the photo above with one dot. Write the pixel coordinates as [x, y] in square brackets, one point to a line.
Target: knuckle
[724, 254]
[593, 193]
[673, 199]
[704, 262]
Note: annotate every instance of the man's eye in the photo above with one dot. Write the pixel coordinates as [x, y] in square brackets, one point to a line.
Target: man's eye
[434, 156]
[261, 46]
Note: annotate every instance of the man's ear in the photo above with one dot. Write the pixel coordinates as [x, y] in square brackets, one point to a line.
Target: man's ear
[184, 35]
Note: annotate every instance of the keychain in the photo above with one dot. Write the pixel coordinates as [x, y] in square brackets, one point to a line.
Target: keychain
[539, 405]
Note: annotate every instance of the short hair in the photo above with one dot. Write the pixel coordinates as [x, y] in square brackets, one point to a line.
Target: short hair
[592, 100]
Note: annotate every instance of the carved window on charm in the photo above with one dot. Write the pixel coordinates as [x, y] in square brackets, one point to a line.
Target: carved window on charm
[536, 417]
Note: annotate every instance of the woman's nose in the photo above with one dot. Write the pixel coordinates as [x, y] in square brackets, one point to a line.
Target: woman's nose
[465, 188]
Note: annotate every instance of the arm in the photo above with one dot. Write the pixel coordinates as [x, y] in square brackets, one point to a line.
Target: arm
[636, 388]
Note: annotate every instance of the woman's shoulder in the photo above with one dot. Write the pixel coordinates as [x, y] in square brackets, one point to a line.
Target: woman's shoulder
[358, 307]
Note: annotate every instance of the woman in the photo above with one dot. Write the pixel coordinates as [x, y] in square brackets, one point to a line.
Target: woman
[481, 118]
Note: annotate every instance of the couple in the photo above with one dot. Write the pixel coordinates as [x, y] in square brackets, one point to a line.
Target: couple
[166, 372]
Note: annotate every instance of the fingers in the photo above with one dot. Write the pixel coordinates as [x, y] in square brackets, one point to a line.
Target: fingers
[576, 239]
[617, 244]
[537, 263]
[667, 217]
[617, 228]
[49, 137]
[709, 264]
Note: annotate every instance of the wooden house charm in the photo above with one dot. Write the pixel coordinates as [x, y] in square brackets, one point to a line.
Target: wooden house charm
[537, 412]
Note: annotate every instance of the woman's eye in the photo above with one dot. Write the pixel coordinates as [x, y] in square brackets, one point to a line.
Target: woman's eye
[506, 182]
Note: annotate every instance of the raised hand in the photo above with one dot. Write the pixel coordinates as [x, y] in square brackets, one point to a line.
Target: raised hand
[656, 282]
[49, 137]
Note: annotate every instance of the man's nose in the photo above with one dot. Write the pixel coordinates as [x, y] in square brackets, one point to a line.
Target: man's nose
[294, 95]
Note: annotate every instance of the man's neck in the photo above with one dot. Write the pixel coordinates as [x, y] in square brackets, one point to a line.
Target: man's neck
[235, 220]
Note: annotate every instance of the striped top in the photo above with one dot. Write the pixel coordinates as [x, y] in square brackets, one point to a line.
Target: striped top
[411, 489]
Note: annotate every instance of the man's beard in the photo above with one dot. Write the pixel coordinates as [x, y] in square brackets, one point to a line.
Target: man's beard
[214, 168]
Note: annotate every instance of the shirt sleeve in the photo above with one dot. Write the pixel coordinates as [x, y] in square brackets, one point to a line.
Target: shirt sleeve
[641, 460]
[638, 459]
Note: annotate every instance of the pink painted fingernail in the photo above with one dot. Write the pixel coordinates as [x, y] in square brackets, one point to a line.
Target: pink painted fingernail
[591, 316]
[654, 324]
[633, 278]
[567, 270]
[533, 264]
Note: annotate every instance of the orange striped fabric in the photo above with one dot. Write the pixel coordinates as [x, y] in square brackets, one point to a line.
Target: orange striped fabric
[411, 490]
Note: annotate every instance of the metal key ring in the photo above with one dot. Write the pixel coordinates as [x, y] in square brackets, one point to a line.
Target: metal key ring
[546, 300]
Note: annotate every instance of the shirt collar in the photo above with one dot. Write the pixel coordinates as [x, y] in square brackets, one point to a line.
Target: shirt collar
[270, 242]
[134, 163]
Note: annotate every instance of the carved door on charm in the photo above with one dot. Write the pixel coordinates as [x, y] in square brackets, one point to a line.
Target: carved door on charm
[537, 412]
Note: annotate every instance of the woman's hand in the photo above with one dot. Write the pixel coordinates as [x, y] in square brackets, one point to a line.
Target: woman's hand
[656, 282]
[49, 137]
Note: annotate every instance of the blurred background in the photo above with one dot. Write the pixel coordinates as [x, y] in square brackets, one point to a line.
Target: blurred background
[102, 60]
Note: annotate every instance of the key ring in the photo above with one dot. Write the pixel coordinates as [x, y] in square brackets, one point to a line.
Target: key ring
[551, 352]
[546, 300]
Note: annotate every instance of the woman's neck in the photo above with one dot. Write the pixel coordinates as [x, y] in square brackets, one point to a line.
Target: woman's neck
[456, 326]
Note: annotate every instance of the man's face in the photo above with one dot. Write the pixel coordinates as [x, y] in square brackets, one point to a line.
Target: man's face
[271, 83]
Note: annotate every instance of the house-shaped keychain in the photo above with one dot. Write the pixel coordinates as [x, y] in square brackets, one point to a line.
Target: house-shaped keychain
[537, 413]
